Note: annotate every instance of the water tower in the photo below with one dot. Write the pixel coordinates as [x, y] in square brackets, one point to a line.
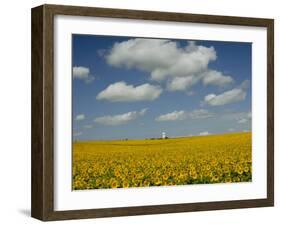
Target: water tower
[163, 135]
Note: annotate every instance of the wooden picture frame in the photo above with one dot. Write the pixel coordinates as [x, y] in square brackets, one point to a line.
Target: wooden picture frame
[42, 203]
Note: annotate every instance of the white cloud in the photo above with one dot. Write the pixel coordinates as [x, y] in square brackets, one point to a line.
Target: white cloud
[235, 116]
[143, 111]
[244, 118]
[115, 120]
[80, 117]
[161, 58]
[181, 83]
[209, 77]
[173, 116]
[181, 115]
[181, 66]
[121, 92]
[212, 77]
[245, 84]
[238, 117]
[83, 73]
[205, 133]
[231, 96]
[200, 114]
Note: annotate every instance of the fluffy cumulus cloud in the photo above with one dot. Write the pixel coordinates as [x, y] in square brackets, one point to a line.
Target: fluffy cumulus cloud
[180, 66]
[173, 116]
[80, 117]
[121, 92]
[161, 58]
[115, 120]
[181, 83]
[212, 77]
[231, 96]
[181, 115]
[80, 72]
[83, 73]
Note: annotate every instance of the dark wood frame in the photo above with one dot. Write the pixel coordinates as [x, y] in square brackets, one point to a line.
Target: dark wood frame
[42, 203]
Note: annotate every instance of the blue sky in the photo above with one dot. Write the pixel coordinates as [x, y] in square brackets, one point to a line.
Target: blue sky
[135, 88]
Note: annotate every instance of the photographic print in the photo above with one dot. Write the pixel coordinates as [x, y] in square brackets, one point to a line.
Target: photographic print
[172, 111]
[160, 112]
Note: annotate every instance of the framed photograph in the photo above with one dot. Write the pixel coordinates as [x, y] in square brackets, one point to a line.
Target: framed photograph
[141, 112]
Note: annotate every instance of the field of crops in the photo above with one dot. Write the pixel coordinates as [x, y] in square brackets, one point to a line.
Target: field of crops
[137, 163]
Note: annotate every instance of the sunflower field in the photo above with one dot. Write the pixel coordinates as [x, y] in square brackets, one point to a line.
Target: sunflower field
[208, 159]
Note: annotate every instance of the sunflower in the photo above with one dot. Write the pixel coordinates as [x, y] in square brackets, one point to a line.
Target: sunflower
[228, 180]
[165, 177]
[158, 181]
[240, 171]
[146, 183]
[125, 184]
[114, 183]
